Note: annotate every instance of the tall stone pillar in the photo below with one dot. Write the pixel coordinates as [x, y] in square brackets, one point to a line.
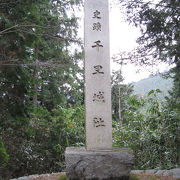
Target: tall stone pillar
[97, 76]
[98, 160]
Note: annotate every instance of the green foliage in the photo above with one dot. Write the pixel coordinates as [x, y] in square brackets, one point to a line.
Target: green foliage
[38, 72]
[134, 177]
[63, 177]
[152, 132]
[35, 63]
[160, 39]
[41, 93]
[159, 23]
[174, 99]
[126, 91]
[4, 157]
[40, 146]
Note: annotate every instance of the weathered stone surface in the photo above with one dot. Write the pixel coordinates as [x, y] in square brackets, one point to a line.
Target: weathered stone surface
[151, 171]
[98, 165]
[137, 171]
[97, 76]
[42, 176]
[175, 173]
[160, 172]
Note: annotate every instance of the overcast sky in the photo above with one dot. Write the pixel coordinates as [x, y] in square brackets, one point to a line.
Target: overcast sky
[122, 38]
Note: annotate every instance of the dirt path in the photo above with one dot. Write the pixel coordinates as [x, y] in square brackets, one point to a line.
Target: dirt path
[151, 176]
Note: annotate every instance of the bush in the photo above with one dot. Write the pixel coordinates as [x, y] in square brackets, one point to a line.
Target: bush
[153, 133]
[39, 148]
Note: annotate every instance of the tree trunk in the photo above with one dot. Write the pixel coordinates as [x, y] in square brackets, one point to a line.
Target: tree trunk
[120, 116]
[35, 98]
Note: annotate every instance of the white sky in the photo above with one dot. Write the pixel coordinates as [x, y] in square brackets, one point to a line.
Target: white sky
[122, 38]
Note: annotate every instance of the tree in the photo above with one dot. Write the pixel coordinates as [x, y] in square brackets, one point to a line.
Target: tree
[156, 126]
[160, 40]
[37, 66]
[126, 92]
[152, 131]
[34, 51]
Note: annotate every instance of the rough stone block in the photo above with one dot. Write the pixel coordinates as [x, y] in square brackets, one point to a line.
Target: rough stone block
[98, 165]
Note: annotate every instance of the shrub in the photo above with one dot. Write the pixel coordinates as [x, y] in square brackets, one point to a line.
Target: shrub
[39, 147]
[153, 133]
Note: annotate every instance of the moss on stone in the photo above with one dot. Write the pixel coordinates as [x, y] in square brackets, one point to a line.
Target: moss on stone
[62, 177]
[134, 177]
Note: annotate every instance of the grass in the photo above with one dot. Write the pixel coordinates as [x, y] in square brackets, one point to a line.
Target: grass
[134, 177]
[62, 177]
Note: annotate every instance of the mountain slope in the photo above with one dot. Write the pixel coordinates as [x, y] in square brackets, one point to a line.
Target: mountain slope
[143, 86]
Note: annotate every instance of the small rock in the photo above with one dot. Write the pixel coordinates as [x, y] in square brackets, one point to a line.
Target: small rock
[137, 171]
[151, 171]
[160, 172]
[167, 173]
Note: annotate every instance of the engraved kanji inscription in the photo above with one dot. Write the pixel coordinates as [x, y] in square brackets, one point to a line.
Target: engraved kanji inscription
[97, 45]
[98, 122]
[97, 26]
[99, 97]
[96, 14]
[98, 70]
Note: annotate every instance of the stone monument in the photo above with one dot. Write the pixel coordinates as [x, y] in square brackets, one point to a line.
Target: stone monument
[97, 76]
[98, 160]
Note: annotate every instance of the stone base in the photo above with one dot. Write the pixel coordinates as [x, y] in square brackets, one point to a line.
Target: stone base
[98, 165]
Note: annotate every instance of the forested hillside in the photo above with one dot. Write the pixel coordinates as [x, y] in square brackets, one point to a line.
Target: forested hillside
[143, 86]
